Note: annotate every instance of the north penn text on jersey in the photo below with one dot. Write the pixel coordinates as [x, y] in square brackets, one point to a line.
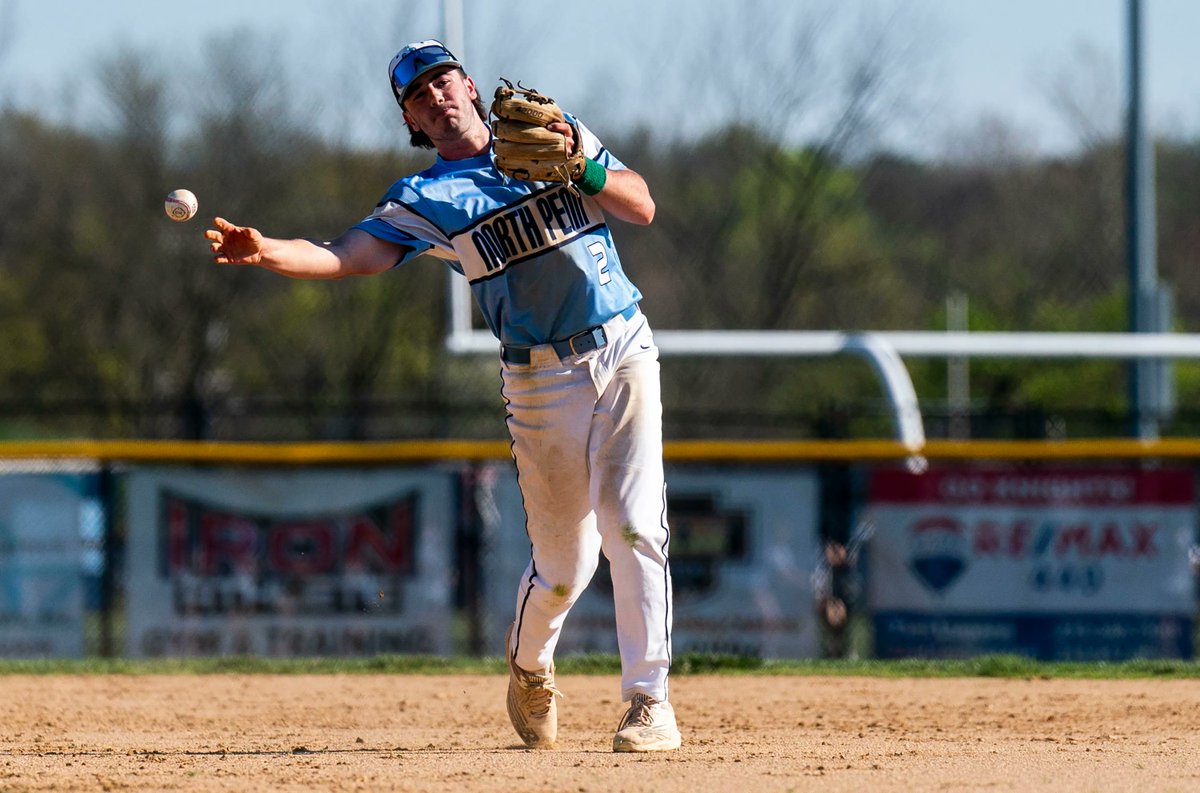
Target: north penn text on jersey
[544, 220]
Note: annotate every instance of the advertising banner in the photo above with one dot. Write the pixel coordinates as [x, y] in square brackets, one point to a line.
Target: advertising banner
[1048, 563]
[743, 549]
[289, 564]
[41, 564]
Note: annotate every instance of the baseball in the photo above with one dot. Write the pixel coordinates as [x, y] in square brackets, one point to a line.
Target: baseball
[181, 205]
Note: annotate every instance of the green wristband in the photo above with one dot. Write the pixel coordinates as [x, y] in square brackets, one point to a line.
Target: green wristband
[592, 180]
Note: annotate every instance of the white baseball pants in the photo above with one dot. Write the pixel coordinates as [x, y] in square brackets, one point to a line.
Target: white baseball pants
[587, 441]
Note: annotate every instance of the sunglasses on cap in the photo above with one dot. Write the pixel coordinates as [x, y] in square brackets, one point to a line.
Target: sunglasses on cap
[416, 59]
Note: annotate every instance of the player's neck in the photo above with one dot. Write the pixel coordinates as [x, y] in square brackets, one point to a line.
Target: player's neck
[471, 144]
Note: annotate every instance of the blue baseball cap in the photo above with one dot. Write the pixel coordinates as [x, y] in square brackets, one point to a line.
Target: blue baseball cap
[416, 59]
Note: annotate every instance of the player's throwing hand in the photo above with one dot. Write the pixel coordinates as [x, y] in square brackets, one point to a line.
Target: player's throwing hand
[234, 244]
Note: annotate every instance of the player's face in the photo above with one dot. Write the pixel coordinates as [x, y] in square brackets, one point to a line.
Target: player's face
[441, 104]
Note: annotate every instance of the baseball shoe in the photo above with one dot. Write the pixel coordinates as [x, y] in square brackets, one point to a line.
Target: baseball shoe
[648, 726]
[531, 705]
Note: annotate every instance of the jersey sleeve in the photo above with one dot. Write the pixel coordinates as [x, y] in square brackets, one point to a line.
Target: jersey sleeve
[377, 227]
[396, 219]
[594, 149]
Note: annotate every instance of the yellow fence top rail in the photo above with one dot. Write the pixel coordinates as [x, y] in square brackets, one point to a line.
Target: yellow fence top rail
[351, 453]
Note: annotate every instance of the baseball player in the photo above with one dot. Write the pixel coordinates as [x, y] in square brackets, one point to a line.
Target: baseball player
[580, 371]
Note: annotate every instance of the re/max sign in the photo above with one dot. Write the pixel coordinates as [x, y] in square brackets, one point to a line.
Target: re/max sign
[209, 541]
[1029, 538]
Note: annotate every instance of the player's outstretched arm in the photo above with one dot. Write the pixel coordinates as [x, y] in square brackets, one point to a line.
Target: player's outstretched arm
[353, 253]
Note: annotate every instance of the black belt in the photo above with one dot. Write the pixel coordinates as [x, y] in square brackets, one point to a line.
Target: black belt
[584, 341]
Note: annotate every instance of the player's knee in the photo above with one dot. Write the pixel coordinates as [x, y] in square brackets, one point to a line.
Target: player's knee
[642, 539]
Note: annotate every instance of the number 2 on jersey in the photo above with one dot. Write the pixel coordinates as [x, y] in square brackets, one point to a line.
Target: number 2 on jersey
[597, 251]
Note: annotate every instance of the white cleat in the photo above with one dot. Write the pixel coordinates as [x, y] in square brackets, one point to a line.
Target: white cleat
[531, 705]
[648, 726]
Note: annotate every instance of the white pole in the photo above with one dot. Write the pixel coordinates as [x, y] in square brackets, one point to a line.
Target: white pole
[454, 37]
[453, 27]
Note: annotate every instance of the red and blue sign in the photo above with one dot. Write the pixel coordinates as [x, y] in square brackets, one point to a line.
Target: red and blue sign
[1049, 563]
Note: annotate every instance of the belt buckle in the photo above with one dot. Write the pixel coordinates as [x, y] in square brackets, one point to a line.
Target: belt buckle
[596, 335]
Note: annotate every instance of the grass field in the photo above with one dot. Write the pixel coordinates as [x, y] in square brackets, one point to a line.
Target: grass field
[686, 664]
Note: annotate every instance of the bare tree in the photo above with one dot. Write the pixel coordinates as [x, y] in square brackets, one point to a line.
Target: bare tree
[801, 94]
[347, 83]
[1084, 92]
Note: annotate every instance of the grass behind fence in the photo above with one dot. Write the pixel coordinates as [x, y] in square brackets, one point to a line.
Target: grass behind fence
[996, 666]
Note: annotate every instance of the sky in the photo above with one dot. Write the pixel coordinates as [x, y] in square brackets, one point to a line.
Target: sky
[1015, 72]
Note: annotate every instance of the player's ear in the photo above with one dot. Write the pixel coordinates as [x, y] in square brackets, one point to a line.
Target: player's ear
[411, 122]
[470, 83]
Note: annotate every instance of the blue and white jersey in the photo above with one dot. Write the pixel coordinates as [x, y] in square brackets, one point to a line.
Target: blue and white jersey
[539, 258]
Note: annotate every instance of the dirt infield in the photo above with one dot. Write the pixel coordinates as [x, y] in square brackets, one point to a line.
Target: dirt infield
[442, 733]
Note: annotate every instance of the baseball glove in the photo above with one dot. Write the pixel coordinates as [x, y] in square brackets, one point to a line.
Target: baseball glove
[523, 147]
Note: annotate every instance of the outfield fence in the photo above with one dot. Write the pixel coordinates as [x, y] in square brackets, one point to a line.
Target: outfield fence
[1080, 550]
